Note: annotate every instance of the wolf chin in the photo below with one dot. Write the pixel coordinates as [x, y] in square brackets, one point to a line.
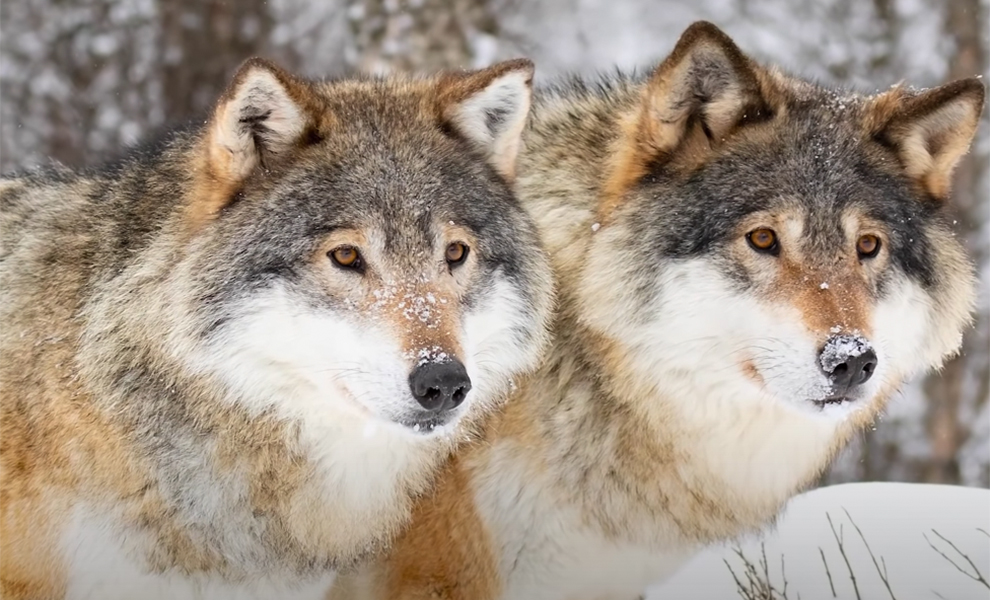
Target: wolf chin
[233, 359]
[749, 266]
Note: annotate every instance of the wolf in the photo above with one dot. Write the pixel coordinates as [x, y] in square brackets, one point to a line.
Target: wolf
[749, 265]
[233, 359]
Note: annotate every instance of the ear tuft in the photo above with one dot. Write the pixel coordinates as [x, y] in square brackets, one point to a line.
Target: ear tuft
[489, 108]
[260, 116]
[930, 130]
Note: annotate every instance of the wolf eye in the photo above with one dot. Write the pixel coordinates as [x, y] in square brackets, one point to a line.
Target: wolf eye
[456, 253]
[346, 256]
[763, 240]
[868, 246]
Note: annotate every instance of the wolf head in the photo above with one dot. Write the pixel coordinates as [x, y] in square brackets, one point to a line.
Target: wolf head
[766, 242]
[354, 248]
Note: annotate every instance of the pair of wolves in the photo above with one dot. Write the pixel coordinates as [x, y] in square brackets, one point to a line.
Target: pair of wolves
[319, 332]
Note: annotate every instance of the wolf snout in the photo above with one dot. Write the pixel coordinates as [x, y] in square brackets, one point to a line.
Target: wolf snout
[440, 386]
[849, 361]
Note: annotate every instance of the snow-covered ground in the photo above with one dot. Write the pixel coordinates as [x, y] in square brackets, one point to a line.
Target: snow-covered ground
[900, 522]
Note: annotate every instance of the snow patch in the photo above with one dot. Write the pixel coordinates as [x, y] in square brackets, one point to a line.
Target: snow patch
[906, 526]
[433, 354]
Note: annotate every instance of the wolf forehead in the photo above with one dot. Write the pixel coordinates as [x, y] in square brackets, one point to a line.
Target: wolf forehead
[380, 158]
[383, 136]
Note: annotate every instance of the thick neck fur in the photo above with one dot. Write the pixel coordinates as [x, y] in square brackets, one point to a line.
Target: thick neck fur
[625, 452]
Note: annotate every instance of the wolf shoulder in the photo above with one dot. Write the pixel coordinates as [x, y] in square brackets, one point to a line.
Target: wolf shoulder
[90, 211]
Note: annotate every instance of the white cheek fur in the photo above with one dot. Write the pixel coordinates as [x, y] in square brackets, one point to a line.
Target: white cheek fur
[344, 381]
[702, 335]
[901, 325]
[494, 343]
[280, 353]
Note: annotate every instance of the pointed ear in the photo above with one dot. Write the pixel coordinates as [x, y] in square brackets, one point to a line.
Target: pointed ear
[489, 108]
[260, 117]
[692, 101]
[930, 130]
[706, 81]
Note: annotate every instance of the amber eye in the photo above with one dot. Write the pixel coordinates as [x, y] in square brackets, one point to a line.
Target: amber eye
[346, 256]
[456, 253]
[763, 240]
[868, 246]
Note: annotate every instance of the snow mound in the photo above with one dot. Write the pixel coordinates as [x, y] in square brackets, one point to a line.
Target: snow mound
[917, 535]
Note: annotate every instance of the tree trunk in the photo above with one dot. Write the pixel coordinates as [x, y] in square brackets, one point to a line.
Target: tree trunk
[203, 42]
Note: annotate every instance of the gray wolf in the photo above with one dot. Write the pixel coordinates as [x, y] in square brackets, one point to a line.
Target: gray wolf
[749, 266]
[232, 360]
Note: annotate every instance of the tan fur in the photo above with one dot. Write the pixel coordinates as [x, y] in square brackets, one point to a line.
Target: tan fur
[42, 456]
[455, 557]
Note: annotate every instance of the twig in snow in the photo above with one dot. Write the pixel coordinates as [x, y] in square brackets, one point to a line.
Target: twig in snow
[827, 572]
[978, 577]
[883, 573]
[757, 584]
[842, 550]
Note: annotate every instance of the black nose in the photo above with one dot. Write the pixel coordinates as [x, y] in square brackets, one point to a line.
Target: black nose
[849, 362]
[440, 386]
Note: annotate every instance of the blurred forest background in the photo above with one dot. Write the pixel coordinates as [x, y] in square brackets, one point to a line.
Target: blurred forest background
[80, 79]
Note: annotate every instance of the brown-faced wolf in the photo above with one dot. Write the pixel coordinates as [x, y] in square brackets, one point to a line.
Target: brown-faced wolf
[229, 362]
[749, 267]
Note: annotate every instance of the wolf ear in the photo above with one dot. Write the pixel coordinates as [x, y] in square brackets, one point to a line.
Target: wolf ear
[259, 117]
[930, 130]
[489, 108]
[706, 83]
[692, 101]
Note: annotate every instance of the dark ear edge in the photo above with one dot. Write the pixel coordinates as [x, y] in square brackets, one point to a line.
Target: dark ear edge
[706, 78]
[258, 110]
[457, 86]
